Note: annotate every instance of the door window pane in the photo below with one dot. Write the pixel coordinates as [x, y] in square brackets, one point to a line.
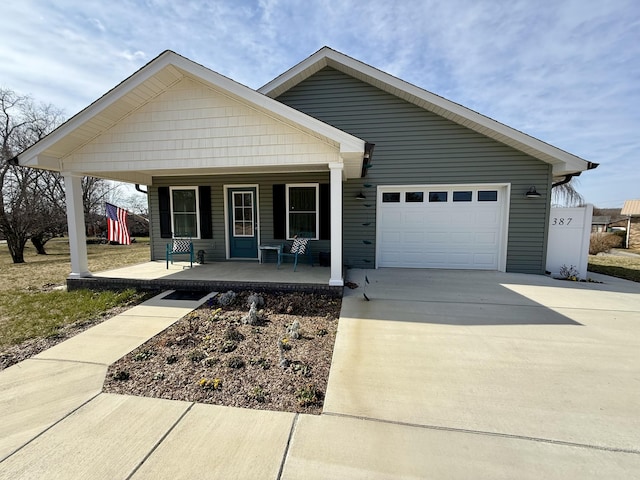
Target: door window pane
[487, 195]
[392, 197]
[464, 196]
[437, 196]
[414, 197]
[243, 225]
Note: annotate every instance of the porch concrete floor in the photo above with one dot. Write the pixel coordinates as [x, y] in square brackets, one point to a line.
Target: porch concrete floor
[232, 271]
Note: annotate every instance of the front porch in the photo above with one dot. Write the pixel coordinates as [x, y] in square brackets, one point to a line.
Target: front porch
[216, 276]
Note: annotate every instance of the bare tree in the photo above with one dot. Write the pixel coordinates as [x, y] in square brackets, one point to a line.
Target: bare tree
[24, 210]
[565, 194]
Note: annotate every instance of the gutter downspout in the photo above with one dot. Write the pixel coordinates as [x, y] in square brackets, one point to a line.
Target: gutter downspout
[140, 190]
[569, 176]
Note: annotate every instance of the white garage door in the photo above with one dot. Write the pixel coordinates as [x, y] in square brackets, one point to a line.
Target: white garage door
[442, 227]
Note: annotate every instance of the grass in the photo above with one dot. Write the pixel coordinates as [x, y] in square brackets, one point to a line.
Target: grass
[28, 309]
[41, 314]
[616, 266]
[53, 268]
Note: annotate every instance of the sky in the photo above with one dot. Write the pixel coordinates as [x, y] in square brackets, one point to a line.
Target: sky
[564, 71]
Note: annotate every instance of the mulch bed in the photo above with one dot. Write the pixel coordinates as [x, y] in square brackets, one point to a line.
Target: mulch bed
[214, 356]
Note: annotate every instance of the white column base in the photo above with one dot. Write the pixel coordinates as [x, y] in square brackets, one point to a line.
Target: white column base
[86, 274]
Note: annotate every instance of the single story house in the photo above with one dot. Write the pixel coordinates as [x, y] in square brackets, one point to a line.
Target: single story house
[378, 172]
[631, 209]
[600, 223]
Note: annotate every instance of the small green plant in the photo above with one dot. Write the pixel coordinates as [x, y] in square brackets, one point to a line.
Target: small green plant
[229, 346]
[261, 362]
[255, 298]
[232, 333]
[303, 369]
[236, 362]
[285, 343]
[569, 273]
[196, 355]
[210, 361]
[226, 299]
[172, 359]
[210, 383]
[308, 395]
[143, 355]
[215, 315]
[258, 394]
[322, 332]
[121, 375]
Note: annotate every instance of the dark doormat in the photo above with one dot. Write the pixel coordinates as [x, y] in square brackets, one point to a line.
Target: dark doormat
[185, 295]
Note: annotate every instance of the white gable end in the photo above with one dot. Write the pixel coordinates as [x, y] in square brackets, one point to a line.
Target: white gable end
[194, 126]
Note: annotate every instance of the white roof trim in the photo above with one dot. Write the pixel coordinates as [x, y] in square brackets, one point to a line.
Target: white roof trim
[563, 162]
[350, 146]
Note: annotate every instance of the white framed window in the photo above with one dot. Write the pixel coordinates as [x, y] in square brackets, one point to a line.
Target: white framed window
[185, 212]
[302, 210]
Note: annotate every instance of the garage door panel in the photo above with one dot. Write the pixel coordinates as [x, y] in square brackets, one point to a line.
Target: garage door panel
[486, 238]
[440, 234]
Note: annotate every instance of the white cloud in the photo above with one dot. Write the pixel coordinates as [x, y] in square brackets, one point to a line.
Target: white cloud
[566, 72]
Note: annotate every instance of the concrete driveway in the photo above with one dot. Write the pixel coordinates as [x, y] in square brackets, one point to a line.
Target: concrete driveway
[443, 374]
[506, 375]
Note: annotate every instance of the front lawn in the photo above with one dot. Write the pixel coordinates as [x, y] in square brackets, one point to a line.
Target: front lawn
[616, 266]
[31, 307]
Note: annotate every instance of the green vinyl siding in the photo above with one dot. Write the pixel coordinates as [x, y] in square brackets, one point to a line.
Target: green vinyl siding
[415, 146]
[215, 248]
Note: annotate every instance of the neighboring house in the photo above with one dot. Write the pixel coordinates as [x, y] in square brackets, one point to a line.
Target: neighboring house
[631, 209]
[600, 223]
[231, 167]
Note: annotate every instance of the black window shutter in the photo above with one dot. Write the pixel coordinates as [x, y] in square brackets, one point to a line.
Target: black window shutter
[325, 211]
[279, 212]
[204, 195]
[164, 205]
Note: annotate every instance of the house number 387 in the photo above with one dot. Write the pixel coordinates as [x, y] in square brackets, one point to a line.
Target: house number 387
[561, 221]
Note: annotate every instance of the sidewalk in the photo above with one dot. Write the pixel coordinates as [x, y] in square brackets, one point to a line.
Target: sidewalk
[41, 391]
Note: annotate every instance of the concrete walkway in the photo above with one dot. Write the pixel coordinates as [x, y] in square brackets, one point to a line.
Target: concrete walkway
[442, 374]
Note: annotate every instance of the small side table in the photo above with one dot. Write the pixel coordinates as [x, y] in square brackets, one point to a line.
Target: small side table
[262, 248]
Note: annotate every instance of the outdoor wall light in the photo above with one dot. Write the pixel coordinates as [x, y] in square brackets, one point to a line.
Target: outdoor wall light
[360, 196]
[532, 193]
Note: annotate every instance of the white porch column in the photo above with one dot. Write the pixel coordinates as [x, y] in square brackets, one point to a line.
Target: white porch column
[75, 222]
[336, 224]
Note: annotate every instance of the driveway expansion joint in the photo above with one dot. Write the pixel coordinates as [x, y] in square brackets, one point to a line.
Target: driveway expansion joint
[85, 362]
[286, 448]
[490, 434]
[159, 442]
[51, 426]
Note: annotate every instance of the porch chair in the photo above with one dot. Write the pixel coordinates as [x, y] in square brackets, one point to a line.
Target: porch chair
[300, 246]
[180, 246]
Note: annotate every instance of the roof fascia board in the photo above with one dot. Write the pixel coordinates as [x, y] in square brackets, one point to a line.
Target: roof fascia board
[326, 56]
[133, 81]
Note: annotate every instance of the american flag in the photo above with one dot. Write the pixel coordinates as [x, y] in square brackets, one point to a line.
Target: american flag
[117, 225]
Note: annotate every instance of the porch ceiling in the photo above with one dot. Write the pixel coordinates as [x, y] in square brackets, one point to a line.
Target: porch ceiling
[242, 131]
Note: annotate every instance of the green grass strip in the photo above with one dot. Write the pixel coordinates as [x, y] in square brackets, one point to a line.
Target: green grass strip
[25, 315]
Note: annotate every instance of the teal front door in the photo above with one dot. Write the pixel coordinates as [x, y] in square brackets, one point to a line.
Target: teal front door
[243, 229]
